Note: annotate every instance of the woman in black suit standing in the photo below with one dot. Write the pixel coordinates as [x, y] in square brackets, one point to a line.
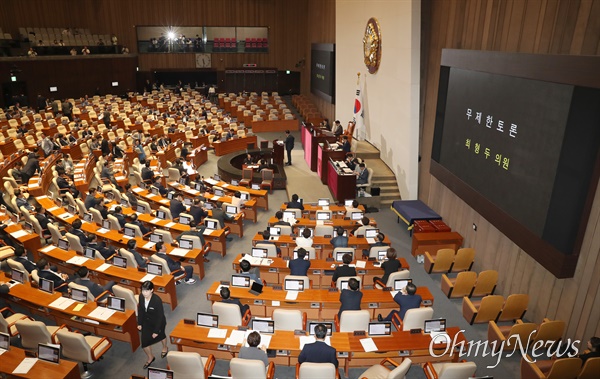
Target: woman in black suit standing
[152, 322]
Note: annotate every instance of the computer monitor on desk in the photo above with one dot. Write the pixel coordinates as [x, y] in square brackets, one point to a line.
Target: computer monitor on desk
[140, 209]
[207, 320]
[154, 190]
[294, 285]
[400, 284]
[371, 233]
[218, 192]
[245, 196]
[356, 216]
[323, 216]
[4, 341]
[323, 202]
[274, 231]
[263, 326]
[383, 328]
[87, 216]
[116, 303]
[328, 325]
[79, 295]
[259, 252]
[49, 353]
[185, 243]
[155, 237]
[47, 285]
[159, 373]
[119, 262]
[348, 202]
[211, 224]
[240, 280]
[17, 276]
[154, 269]
[161, 214]
[129, 231]
[63, 244]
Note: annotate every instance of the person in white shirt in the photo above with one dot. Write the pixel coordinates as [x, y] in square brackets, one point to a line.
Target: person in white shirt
[236, 199]
[353, 208]
[305, 240]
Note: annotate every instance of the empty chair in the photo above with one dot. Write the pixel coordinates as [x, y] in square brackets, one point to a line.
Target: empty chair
[463, 261]
[267, 179]
[380, 371]
[167, 238]
[413, 319]
[33, 332]
[131, 301]
[305, 279]
[504, 333]
[485, 284]
[460, 286]
[174, 174]
[352, 320]
[250, 368]
[289, 319]
[324, 231]
[590, 369]
[310, 370]
[229, 314]
[441, 262]
[285, 230]
[246, 180]
[74, 242]
[190, 365]
[7, 325]
[487, 309]
[549, 330]
[86, 350]
[90, 296]
[514, 307]
[562, 368]
[449, 370]
[271, 249]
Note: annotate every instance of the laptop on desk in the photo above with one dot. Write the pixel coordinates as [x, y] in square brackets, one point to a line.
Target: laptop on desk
[207, 320]
[256, 288]
[17, 276]
[437, 330]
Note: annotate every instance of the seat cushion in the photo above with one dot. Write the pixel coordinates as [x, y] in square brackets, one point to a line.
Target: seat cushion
[376, 372]
[93, 340]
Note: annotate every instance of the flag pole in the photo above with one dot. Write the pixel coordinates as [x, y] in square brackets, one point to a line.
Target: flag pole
[355, 131]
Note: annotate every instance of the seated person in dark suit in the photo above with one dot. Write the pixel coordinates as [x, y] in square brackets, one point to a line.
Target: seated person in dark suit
[161, 251]
[279, 215]
[91, 201]
[76, 230]
[176, 207]
[104, 250]
[248, 160]
[344, 269]
[346, 146]
[40, 216]
[195, 230]
[319, 351]
[339, 240]
[197, 211]
[362, 176]
[247, 270]
[147, 173]
[299, 266]
[295, 204]
[593, 352]
[133, 219]
[119, 216]
[139, 259]
[58, 279]
[161, 189]
[390, 266]
[406, 299]
[95, 288]
[266, 235]
[17, 172]
[64, 183]
[380, 238]
[131, 197]
[22, 201]
[219, 214]
[225, 298]
[22, 258]
[350, 298]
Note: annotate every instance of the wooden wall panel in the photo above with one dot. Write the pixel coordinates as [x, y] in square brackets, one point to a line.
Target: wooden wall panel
[529, 26]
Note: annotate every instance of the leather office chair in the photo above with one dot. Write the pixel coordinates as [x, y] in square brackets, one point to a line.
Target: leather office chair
[7, 325]
[463, 260]
[250, 368]
[324, 231]
[6, 252]
[441, 262]
[504, 333]
[246, 180]
[460, 286]
[413, 318]
[271, 249]
[402, 274]
[344, 250]
[485, 310]
[352, 320]
[87, 350]
[90, 296]
[177, 274]
[289, 319]
[190, 365]
[13, 264]
[34, 332]
[485, 284]
[167, 238]
[129, 257]
[167, 211]
[550, 369]
[147, 207]
[54, 233]
[136, 229]
[310, 370]
[131, 300]
[449, 370]
[369, 179]
[305, 279]
[374, 251]
[80, 207]
[590, 369]
[174, 174]
[96, 215]
[298, 212]
[285, 230]
[114, 223]
[514, 308]
[312, 253]
[380, 371]
[338, 282]
[229, 314]
[74, 242]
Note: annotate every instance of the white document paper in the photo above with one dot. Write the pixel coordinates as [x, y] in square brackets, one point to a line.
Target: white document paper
[52, 209]
[235, 338]
[2, 351]
[149, 245]
[102, 231]
[394, 293]
[48, 248]
[361, 264]
[211, 181]
[370, 241]
[275, 303]
[25, 365]
[306, 339]
[137, 189]
[155, 220]
[62, 303]
[368, 344]
[194, 192]
[178, 252]
[148, 277]
[77, 260]
[217, 333]
[19, 233]
[101, 313]
[216, 198]
[170, 224]
[207, 232]
[164, 201]
[150, 195]
[291, 295]
[65, 216]
[102, 267]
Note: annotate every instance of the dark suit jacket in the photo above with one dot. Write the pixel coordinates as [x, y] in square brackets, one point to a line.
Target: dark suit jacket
[318, 352]
[299, 267]
[91, 201]
[295, 205]
[339, 241]
[121, 219]
[363, 177]
[29, 265]
[80, 234]
[147, 174]
[343, 270]
[143, 229]
[234, 301]
[194, 233]
[132, 199]
[42, 220]
[407, 302]
[173, 266]
[31, 167]
[350, 301]
[152, 319]
[198, 213]
[57, 280]
[220, 215]
[95, 288]
[289, 142]
[346, 147]
[102, 249]
[176, 208]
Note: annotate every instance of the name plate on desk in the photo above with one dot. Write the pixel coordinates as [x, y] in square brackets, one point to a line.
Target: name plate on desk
[315, 305]
[273, 270]
[316, 272]
[373, 305]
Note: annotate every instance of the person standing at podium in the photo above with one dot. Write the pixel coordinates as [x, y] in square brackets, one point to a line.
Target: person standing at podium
[289, 145]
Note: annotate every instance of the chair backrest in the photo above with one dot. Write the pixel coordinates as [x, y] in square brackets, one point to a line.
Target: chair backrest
[463, 259]
[523, 330]
[312, 253]
[131, 301]
[74, 243]
[298, 212]
[166, 236]
[247, 173]
[74, 346]
[136, 228]
[400, 371]
[443, 260]
[128, 255]
[489, 309]
[485, 284]
[185, 364]
[32, 333]
[564, 368]
[267, 174]
[457, 370]
[80, 207]
[415, 318]
[54, 233]
[18, 266]
[550, 330]
[590, 369]
[338, 282]
[163, 262]
[196, 242]
[90, 297]
[324, 230]
[354, 320]
[96, 215]
[114, 222]
[515, 307]
[147, 208]
[229, 314]
[285, 230]
[305, 279]
[288, 319]
[402, 274]
[247, 368]
[271, 249]
[174, 174]
[310, 370]
[463, 285]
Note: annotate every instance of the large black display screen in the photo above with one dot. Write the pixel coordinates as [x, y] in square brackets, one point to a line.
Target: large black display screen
[322, 71]
[517, 137]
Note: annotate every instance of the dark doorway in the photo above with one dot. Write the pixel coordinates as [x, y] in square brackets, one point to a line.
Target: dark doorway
[14, 92]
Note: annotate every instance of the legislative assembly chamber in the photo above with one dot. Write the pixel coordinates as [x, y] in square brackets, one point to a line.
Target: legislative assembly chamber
[300, 189]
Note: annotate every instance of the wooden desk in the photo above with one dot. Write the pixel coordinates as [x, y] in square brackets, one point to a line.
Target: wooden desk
[39, 186]
[121, 326]
[342, 186]
[348, 225]
[262, 196]
[422, 242]
[192, 338]
[128, 277]
[311, 139]
[30, 241]
[232, 145]
[319, 304]
[323, 156]
[320, 271]
[40, 370]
